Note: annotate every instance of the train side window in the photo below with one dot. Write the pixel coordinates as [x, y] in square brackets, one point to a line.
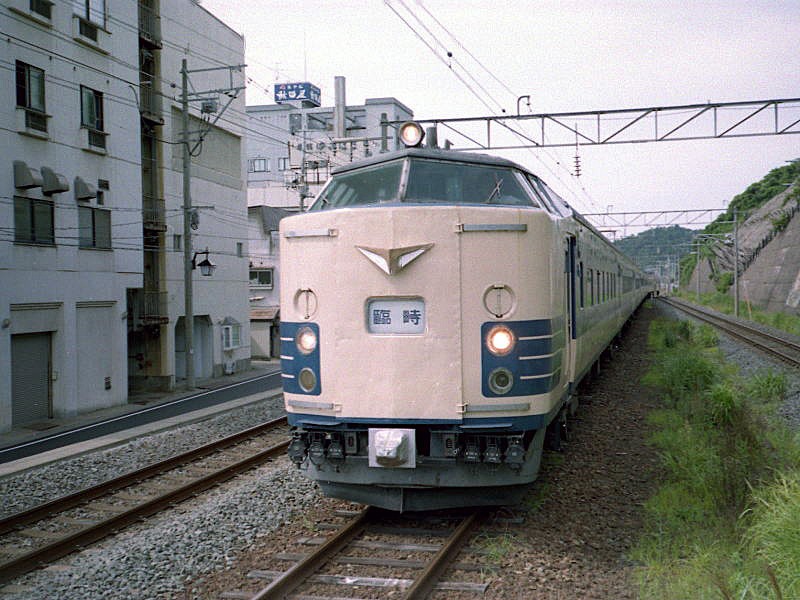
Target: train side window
[540, 194]
[533, 192]
[580, 282]
[590, 279]
[560, 207]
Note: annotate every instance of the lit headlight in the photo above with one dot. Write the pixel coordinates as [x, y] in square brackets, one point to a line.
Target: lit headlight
[306, 340]
[411, 134]
[500, 340]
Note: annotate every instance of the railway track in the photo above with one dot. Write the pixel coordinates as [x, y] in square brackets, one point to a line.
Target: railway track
[775, 344]
[375, 554]
[45, 533]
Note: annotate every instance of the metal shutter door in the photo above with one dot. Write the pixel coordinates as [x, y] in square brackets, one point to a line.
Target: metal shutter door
[30, 378]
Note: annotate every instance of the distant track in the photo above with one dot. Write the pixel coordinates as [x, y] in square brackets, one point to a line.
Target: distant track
[774, 343]
[130, 498]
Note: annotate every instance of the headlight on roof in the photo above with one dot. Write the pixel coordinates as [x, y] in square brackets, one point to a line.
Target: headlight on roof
[411, 134]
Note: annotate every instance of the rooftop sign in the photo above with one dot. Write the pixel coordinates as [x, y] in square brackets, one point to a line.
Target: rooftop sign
[297, 92]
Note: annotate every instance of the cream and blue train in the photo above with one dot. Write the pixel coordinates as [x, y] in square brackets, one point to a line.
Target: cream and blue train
[438, 309]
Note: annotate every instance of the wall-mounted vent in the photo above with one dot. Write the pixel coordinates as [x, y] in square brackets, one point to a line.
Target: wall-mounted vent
[84, 191]
[25, 177]
[53, 183]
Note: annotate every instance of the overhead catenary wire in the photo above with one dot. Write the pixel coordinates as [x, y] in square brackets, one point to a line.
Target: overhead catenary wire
[438, 53]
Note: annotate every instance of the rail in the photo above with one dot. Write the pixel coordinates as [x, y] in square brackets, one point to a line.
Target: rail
[772, 343]
[305, 570]
[88, 535]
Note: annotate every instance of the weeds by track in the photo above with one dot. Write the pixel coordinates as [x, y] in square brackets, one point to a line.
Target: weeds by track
[773, 343]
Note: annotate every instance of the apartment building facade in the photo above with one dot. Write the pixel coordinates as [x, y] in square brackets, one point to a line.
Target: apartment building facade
[91, 281]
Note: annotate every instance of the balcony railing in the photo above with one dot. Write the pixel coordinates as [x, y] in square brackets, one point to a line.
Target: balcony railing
[153, 217]
[149, 25]
[151, 104]
[35, 120]
[155, 307]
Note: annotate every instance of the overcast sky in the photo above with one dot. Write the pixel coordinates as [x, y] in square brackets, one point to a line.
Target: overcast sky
[568, 56]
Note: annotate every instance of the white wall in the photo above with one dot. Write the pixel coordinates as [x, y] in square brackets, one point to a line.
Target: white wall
[63, 280]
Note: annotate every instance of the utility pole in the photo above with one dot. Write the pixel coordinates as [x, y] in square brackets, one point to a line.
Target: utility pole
[188, 307]
[735, 263]
[210, 97]
[697, 271]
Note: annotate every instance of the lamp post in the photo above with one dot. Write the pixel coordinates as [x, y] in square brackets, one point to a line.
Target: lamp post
[208, 100]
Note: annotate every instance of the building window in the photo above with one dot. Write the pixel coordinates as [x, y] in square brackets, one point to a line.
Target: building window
[239, 249]
[283, 164]
[177, 242]
[261, 278]
[258, 165]
[93, 11]
[43, 8]
[92, 116]
[33, 221]
[231, 336]
[30, 96]
[94, 227]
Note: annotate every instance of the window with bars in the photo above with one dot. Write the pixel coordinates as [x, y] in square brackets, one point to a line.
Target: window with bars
[94, 228]
[33, 221]
[30, 95]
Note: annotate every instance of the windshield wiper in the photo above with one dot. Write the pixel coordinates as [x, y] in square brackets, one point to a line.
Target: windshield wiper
[495, 191]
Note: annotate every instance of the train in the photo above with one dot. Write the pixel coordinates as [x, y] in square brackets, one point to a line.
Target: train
[438, 309]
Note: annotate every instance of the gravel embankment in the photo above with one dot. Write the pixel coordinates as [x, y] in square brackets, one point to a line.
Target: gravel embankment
[157, 559]
[583, 516]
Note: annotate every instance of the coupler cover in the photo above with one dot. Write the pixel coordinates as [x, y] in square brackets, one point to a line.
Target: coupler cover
[392, 448]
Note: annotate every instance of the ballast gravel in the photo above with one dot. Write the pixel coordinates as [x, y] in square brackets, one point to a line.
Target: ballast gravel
[158, 558]
[582, 518]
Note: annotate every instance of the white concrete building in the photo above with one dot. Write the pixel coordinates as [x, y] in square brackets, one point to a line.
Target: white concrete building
[264, 284]
[285, 137]
[91, 291]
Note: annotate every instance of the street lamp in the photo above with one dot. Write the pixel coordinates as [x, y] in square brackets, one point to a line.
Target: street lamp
[206, 266]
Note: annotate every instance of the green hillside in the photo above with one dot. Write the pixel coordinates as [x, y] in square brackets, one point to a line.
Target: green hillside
[772, 184]
[654, 248]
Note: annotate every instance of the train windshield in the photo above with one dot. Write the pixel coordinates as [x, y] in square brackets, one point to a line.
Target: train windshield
[445, 182]
[371, 185]
[427, 182]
